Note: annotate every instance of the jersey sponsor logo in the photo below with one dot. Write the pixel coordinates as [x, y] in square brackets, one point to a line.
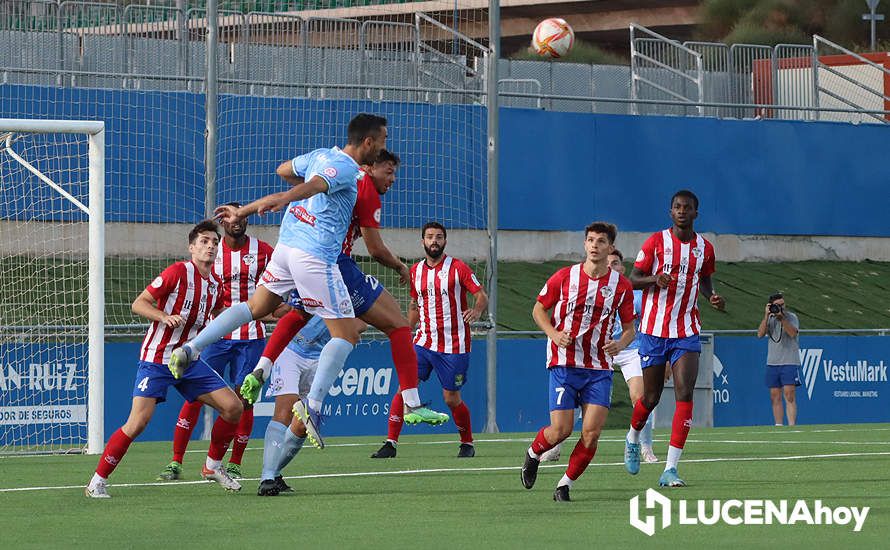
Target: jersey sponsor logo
[377, 215]
[157, 282]
[311, 302]
[641, 256]
[269, 278]
[248, 259]
[330, 172]
[303, 215]
[668, 251]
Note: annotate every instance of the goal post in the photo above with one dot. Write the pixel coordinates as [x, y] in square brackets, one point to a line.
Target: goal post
[41, 163]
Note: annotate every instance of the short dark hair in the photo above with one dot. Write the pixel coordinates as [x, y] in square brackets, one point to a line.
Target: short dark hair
[607, 229]
[685, 193]
[618, 253]
[205, 225]
[776, 296]
[386, 155]
[433, 225]
[362, 126]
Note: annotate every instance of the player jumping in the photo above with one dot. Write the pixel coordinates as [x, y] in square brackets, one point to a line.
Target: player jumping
[583, 300]
[439, 287]
[186, 293]
[671, 268]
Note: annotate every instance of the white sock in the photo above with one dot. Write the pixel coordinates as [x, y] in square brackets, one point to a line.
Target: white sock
[565, 481]
[212, 464]
[533, 454]
[96, 479]
[633, 435]
[411, 398]
[673, 457]
[314, 403]
[780, 425]
[266, 364]
[393, 441]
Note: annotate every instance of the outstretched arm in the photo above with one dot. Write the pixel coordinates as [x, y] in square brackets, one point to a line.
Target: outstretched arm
[273, 202]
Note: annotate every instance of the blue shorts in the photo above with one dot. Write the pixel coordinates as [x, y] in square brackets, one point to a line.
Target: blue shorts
[238, 357]
[451, 368]
[571, 387]
[782, 375]
[363, 289]
[152, 380]
[661, 351]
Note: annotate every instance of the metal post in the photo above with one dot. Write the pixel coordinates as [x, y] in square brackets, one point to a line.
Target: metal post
[96, 338]
[873, 18]
[491, 88]
[211, 100]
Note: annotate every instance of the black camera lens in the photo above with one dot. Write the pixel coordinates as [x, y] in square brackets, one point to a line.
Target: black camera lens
[775, 308]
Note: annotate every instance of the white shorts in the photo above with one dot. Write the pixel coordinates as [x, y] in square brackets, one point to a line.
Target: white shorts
[292, 374]
[319, 284]
[628, 360]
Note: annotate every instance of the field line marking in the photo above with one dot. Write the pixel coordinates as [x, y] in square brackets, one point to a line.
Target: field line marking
[447, 470]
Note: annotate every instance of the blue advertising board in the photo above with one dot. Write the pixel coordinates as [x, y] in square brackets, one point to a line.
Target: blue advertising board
[844, 380]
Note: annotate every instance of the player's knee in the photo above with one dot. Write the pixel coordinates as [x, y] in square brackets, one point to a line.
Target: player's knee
[651, 400]
[590, 437]
[135, 425]
[231, 412]
[562, 432]
[452, 399]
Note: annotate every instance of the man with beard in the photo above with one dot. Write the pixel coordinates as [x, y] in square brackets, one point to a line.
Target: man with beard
[240, 262]
[319, 207]
[372, 303]
[439, 287]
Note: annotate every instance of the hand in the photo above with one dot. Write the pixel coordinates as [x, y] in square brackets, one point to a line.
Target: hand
[611, 347]
[563, 339]
[717, 302]
[404, 274]
[663, 280]
[766, 310]
[172, 321]
[471, 315]
[250, 388]
[227, 214]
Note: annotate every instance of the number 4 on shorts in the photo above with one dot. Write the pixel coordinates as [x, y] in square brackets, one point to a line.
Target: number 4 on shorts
[143, 384]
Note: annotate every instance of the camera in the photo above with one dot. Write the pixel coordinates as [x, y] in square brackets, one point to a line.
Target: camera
[775, 308]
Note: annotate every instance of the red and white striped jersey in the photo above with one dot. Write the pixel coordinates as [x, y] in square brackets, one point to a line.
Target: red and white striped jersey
[672, 312]
[179, 290]
[365, 213]
[240, 269]
[586, 309]
[441, 296]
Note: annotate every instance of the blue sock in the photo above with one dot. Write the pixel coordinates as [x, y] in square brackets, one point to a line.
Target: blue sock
[289, 449]
[227, 321]
[272, 444]
[646, 432]
[330, 361]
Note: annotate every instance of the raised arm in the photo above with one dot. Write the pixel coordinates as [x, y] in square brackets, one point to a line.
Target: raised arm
[273, 202]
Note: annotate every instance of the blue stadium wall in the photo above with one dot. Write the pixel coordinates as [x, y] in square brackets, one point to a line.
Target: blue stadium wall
[558, 170]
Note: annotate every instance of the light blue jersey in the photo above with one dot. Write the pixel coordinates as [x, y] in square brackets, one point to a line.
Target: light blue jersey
[318, 225]
[311, 338]
[638, 308]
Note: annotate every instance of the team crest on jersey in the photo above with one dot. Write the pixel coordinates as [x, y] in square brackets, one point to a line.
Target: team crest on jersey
[345, 307]
[443, 275]
[330, 172]
[157, 282]
[697, 252]
[607, 292]
[248, 259]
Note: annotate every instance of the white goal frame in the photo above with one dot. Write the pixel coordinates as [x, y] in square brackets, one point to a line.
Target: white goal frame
[95, 131]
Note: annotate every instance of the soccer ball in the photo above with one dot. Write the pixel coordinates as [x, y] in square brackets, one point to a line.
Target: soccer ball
[553, 37]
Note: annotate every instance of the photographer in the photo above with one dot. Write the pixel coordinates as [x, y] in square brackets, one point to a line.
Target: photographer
[782, 358]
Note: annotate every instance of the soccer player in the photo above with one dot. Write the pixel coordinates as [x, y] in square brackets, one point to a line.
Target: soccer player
[671, 268]
[439, 287]
[319, 207]
[576, 309]
[629, 363]
[371, 302]
[291, 377]
[240, 262]
[178, 303]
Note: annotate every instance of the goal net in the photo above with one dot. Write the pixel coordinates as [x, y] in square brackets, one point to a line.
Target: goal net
[51, 281]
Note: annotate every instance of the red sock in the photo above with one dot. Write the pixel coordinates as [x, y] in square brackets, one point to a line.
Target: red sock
[396, 410]
[404, 357]
[581, 457]
[639, 416]
[461, 416]
[540, 444]
[242, 435]
[220, 437]
[113, 454]
[285, 330]
[182, 433]
[682, 423]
